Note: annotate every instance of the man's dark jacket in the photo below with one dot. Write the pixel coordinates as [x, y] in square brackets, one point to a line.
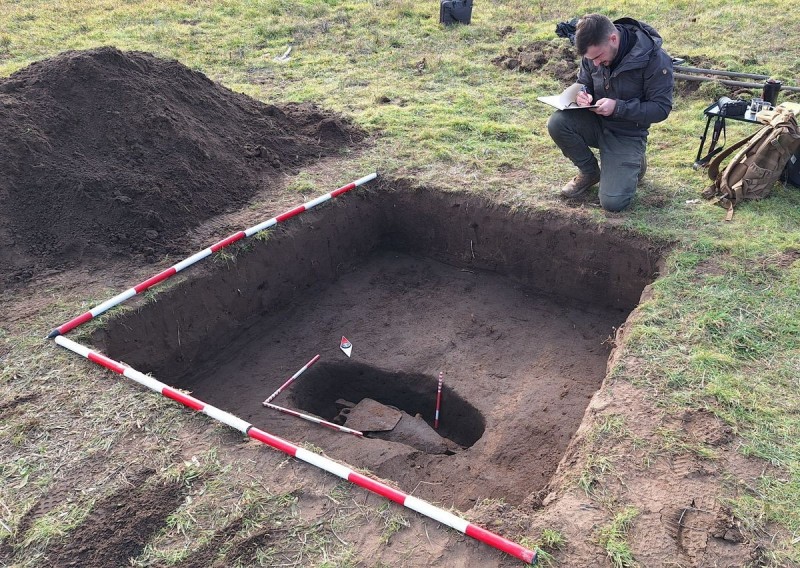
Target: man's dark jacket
[641, 83]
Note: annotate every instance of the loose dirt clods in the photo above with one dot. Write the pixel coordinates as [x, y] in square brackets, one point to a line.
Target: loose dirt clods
[119, 526]
[556, 58]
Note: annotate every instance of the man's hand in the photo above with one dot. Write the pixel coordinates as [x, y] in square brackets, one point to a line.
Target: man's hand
[583, 99]
[605, 107]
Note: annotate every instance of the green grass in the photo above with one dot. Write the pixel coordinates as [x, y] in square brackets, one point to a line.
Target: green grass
[550, 541]
[721, 331]
[594, 470]
[393, 522]
[614, 539]
[303, 184]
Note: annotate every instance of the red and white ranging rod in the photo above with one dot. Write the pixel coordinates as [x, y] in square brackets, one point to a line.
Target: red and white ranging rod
[290, 380]
[322, 462]
[315, 420]
[187, 262]
[438, 401]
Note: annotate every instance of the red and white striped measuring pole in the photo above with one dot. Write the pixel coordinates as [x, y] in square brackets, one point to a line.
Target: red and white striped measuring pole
[438, 401]
[315, 420]
[290, 380]
[187, 262]
[322, 462]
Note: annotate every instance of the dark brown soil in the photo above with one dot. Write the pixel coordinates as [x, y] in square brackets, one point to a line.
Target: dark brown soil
[516, 310]
[526, 364]
[119, 526]
[555, 58]
[117, 154]
[226, 547]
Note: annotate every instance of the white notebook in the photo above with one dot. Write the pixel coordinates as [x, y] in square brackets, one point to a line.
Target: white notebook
[566, 100]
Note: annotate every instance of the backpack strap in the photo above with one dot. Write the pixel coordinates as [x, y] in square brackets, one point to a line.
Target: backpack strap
[713, 166]
[729, 214]
[724, 199]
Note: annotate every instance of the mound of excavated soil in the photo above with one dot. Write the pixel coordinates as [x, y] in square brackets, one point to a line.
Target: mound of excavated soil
[554, 58]
[109, 153]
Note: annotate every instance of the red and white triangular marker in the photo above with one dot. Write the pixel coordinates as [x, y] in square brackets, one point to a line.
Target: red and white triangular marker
[346, 346]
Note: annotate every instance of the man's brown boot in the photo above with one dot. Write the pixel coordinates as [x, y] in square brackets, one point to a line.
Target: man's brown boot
[580, 183]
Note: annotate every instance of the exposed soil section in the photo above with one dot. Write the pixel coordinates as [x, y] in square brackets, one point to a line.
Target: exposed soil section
[110, 153]
[679, 495]
[517, 310]
[328, 390]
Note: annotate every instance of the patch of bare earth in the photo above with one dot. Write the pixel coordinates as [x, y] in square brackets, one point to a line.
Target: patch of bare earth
[554, 58]
[680, 494]
[119, 526]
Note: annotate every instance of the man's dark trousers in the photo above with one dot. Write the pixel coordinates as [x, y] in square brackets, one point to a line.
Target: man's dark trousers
[577, 131]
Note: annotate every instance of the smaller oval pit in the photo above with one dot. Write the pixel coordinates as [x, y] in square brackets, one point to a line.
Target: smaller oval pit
[413, 393]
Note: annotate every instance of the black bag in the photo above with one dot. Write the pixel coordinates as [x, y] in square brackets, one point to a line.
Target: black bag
[730, 107]
[455, 12]
[792, 172]
[567, 30]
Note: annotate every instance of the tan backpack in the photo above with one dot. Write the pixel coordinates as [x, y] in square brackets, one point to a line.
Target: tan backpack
[758, 165]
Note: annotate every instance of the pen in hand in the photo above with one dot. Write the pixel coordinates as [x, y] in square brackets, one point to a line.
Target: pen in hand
[584, 98]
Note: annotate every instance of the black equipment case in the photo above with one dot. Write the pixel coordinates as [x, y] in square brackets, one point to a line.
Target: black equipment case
[455, 12]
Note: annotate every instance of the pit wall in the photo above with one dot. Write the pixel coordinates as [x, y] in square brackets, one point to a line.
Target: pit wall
[194, 320]
[542, 251]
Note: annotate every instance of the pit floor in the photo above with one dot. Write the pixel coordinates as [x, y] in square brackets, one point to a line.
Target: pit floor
[528, 363]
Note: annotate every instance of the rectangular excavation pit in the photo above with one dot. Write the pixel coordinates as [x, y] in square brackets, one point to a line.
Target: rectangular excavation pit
[515, 307]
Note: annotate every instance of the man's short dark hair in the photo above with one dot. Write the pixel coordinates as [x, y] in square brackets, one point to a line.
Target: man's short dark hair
[592, 29]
